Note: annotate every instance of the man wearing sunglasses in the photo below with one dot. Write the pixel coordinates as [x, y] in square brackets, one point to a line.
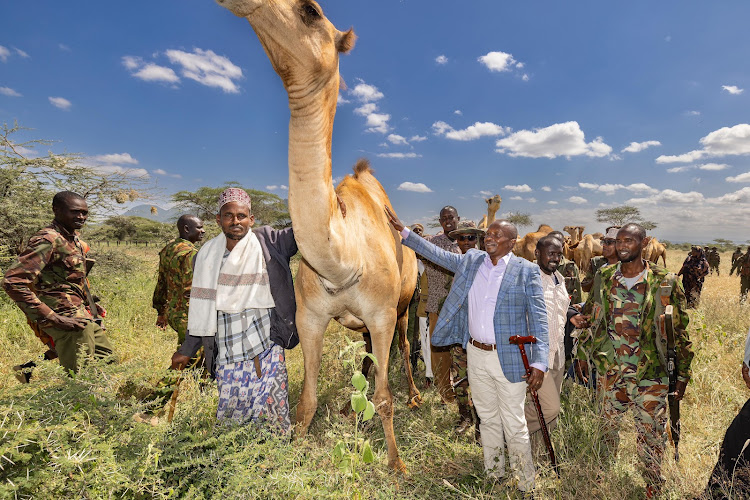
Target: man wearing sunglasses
[607, 258]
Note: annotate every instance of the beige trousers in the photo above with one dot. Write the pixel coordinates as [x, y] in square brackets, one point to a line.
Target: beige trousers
[441, 365]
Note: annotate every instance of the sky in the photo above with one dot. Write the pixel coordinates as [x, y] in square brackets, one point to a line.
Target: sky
[562, 108]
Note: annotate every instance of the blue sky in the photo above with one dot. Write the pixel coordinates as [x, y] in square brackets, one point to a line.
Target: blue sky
[560, 107]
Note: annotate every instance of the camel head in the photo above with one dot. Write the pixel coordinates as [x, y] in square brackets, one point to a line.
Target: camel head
[494, 203]
[302, 45]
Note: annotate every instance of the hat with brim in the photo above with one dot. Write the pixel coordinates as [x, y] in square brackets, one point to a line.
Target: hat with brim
[466, 227]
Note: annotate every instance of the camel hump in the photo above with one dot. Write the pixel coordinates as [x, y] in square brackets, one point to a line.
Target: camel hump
[362, 166]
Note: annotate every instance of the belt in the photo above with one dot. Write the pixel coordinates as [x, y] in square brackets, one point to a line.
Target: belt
[482, 345]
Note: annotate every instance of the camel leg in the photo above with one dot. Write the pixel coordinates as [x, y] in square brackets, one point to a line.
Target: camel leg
[311, 328]
[415, 399]
[382, 335]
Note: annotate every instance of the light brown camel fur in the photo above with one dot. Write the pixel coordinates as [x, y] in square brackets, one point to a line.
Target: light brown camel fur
[584, 250]
[525, 246]
[576, 233]
[654, 249]
[354, 268]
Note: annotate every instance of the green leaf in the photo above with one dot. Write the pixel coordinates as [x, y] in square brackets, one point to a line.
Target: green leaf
[372, 357]
[367, 456]
[359, 402]
[369, 411]
[338, 451]
[359, 381]
[345, 464]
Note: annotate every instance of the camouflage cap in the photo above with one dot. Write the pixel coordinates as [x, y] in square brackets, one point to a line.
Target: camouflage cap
[466, 227]
[611, 234]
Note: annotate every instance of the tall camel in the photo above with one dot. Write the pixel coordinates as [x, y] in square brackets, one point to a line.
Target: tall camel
[576, 233]
[525, 246]
[354, 268]
[653, 249]
[493, 205]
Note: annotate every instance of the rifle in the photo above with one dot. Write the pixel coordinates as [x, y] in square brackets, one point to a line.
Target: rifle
[674, 404]
[520, 341]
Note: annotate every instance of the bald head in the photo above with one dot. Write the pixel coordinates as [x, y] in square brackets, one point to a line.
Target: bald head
[633, 229]
[190, 228]
[507, 227]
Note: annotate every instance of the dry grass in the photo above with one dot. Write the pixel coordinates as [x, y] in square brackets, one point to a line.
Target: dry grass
[135, 461]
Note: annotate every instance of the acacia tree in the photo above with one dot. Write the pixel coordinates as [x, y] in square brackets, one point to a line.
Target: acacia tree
[28, 180]
[268, 208]
[619, 216]
[519, 219]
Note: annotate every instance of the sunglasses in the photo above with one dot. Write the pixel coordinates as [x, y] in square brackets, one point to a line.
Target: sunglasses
[467, 237]
[608, 242]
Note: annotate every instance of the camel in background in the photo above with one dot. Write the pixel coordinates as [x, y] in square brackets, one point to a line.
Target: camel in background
[654, 249]
[525, 246]
[354, 268]
[493, 205]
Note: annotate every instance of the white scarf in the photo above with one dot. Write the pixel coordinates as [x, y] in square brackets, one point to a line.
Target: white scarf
[240, 284]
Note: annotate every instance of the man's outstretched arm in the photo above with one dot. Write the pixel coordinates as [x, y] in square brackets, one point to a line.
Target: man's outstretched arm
[443, 258]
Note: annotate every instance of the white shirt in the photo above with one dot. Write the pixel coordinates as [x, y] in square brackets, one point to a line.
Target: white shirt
[556, 300]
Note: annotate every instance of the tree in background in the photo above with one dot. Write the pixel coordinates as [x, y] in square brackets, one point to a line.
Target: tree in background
[28, 180]
[619, 216]
[268, 208]
[519, 219]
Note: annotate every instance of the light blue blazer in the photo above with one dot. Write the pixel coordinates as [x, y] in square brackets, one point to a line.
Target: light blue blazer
[520, 308]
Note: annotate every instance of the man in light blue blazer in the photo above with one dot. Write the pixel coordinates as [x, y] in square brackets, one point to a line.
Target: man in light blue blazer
[494, 296]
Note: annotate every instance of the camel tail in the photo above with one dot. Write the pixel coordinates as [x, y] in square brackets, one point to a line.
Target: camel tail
[362, 166]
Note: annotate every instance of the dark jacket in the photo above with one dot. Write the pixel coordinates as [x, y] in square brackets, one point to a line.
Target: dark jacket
[278, 247]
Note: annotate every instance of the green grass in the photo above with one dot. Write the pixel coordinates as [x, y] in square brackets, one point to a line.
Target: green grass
[76, 438]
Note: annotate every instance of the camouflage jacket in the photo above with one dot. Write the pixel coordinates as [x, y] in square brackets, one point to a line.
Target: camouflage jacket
[48, 276]
[172, 293]
[572, 276]
[596, 264]
[598, 343]
[745, 264]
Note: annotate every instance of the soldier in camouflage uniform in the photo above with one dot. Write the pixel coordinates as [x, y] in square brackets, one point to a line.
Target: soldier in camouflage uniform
[736, 261]
[48, 282]
[622, 346]
[714, 259]
[570, 272]
[607, 258]
[172, 292]
[744, 275]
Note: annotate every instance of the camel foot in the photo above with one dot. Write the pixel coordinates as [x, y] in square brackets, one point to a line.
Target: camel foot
[415, 402]
[398, 466]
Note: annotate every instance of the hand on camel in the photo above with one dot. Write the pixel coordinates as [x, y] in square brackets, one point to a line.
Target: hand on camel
[397, 224]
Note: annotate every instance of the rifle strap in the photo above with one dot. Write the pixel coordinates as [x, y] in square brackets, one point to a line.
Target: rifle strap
[663, 340]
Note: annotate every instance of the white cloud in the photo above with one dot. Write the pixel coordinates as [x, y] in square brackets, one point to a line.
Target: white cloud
[675, 170]
[470, 133]
[441, 59]
[458, 112]
[741, 196]
[522, 188]
[366, 109]
[272, 187]
[636, 147]
[733, 89]
[713, 166]
[683, 158]
[525, 77]
[366, 93]
[692, 112]
[116, 169]
[552, 203]
[284, 187]
[722, 142]
[378, 122]
[417, 138]
[728, 141]
[342, 100]
[485, 193]
[7, 91]
[60, 102]
[132, 62]
[531, 200]
[546, 189]
[63, 47]
[149, 72]
[399, 155]
[739, 178]
[612, 188]
[577, 200]
[669, 196]
[561, 139]
[397, 139]
[21, 53]
[498, 61]
[4, 54]
[160, 171]
[416, 187]
[207, 68]
[516, 198]
[116, 158]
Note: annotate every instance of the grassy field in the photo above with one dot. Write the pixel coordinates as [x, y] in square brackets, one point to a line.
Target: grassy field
[76, 438]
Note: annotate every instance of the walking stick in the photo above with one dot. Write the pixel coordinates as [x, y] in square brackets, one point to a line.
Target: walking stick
[173, 399]
[520, 341]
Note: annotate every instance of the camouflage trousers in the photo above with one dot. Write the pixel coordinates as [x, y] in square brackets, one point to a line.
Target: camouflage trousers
[647, 399]
[460, 377]
[744, 287]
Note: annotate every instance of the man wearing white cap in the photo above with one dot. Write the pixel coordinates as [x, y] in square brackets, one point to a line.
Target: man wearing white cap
[242, 304]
